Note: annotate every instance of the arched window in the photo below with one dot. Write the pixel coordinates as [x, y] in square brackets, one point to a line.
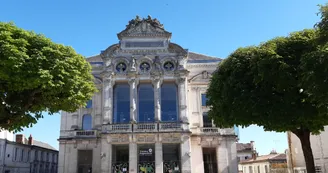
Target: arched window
[87, 122]
[146, 103]
[169, 102]
[89, 104]
[121, 103]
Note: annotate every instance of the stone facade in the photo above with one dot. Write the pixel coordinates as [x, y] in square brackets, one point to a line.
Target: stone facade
[145, 55]
[319, 145]
[26, 156]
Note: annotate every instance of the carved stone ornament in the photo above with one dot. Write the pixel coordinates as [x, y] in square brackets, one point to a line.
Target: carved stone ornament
[144, 27]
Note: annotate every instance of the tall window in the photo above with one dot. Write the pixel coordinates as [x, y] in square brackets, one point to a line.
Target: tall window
[87, 122]
[204, 99]
[169, 102]
[89, 104]
[146, 103]
[36, 155]
[16, 153]
[266, 169]
[22, 155]
[207, 122]
[121, 103]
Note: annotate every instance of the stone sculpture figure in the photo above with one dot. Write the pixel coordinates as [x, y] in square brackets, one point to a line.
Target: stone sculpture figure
[133, 64]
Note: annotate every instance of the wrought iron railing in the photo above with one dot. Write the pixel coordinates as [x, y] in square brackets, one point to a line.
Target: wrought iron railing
[171, 167]
[86, 133]
[146, 167]
[120, 167]
[215, 130]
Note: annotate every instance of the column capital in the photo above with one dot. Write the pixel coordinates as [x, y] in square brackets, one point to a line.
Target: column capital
[157, 81]
[133, 80]
[180, 80]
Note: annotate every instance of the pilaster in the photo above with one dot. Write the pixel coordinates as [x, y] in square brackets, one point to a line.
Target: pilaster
[223, 157]
[158, 156]
[133, 159]
[181, 82]
[133, 99]
[108, 83]
[105, 156]
[185, 154]
[157, 97]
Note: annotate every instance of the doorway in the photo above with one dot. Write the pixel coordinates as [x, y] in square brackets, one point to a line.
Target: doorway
[146, 159]
[120, 158]
[210, 161]
[84, 161]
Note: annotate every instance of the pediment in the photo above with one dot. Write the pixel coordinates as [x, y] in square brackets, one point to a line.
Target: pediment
[204, 76]
[144, 28]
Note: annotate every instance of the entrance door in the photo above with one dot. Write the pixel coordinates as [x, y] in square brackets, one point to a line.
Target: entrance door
[146, 159]
[84, 161]
[120, 158]
[209, 158]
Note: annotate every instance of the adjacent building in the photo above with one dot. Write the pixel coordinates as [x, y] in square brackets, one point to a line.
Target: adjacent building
[319, 145]
[150, 113]
[245, 151]
[27, 156]
[271, 163]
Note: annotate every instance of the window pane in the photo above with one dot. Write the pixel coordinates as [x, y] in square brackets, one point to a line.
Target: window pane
[169, 102]
[207, 122]
[121, 103]
[87, 122]
[204, 99]
[146, 103]
[89, 104]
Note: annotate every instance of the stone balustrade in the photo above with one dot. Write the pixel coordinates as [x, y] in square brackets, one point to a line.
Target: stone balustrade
[215, 130]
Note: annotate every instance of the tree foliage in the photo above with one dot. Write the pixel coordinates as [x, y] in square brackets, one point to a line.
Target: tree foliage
[38, 75]
[281, 84]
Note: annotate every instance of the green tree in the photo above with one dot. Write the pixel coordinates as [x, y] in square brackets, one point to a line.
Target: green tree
[281, 84]
[38, 75]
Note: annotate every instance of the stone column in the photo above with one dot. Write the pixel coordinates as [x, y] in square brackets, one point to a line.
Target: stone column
[181, 82]
[133, 157]
[157, 97]
[158, 157]
[222, 157]
[133, 99]
[185, 149]
[108, 83]
[105, 155]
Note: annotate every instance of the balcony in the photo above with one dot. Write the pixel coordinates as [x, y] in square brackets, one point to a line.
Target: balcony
[145, 127]
[86, 134]
[167, 127]
[215, 131]
[117, 128]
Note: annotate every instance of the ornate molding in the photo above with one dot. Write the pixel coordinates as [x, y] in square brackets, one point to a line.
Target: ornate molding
[146, 27]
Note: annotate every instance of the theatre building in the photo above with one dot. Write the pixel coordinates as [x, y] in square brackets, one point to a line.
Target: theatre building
[149, 114]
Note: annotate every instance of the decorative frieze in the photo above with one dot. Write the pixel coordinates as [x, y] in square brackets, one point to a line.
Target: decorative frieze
[170, 138]
[117, 139]
[151, 138]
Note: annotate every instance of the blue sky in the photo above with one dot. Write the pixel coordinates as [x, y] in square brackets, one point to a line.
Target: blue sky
[211, 27]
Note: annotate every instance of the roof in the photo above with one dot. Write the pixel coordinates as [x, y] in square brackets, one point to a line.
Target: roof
[43, 145]
[244, 147]
[266, 158]
[192, 58]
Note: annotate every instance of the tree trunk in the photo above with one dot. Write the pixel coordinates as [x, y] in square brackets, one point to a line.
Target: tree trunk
[304, 136]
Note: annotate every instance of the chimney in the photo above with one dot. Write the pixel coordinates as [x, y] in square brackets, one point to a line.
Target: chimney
[252, 145]
[20, 139]
[30, 140]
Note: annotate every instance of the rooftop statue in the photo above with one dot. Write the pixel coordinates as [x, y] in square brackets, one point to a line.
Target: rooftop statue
[154, 22]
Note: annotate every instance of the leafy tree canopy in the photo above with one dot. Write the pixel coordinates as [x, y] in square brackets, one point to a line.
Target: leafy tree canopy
[38, 75]
[281, 85]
